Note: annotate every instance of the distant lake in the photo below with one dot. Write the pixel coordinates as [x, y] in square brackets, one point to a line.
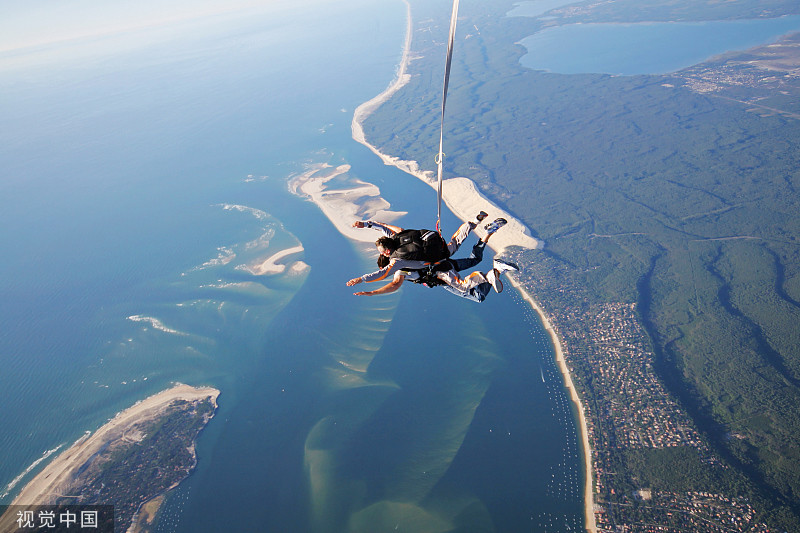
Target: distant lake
[645, 48]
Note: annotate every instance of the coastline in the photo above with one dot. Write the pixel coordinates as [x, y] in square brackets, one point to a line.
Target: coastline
[58, 473]
[459, 194]
[367, 108]
[588, 491]
[462, 197]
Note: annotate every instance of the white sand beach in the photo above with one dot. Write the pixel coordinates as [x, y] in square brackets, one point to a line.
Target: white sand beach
[459, 194]
[591, 525]
[350, 200]
[465, 201]
[57, 475]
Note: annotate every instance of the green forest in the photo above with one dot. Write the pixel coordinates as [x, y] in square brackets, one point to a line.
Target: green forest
[644, 192]
[127, 474]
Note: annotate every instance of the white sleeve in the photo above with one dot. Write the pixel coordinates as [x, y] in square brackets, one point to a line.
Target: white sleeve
[380, 227]
[395, 265]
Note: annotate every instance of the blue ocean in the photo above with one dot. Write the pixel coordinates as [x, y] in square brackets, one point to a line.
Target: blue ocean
[143, 173]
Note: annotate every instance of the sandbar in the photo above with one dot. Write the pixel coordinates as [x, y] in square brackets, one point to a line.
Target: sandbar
[47, 484]
[271, 265]
[351, 199]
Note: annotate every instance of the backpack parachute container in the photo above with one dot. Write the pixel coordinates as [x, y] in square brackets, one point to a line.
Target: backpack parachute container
[420, 245]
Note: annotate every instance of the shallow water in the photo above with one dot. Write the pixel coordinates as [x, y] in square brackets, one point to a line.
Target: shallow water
[137, 189]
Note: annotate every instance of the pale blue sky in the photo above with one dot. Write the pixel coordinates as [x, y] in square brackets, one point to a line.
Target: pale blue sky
[25, 23]
[43, 33]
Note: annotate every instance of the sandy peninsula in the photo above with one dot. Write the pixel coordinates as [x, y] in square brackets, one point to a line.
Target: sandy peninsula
[343, 199]
[57, 475]
[463, 198]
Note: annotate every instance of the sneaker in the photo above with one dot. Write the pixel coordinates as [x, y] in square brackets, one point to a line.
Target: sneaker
[481, 216]
[494, 226]
[493, 277]
[504, 266]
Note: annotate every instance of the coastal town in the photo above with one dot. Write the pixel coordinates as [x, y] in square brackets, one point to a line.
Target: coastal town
[627, 408]
[633, 410]
[766, 79]
[640, 413]
[631, 415]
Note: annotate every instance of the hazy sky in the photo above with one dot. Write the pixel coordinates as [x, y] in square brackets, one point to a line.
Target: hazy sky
[33, 23]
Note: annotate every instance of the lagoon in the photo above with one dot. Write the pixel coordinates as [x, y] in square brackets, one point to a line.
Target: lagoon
[645, 48]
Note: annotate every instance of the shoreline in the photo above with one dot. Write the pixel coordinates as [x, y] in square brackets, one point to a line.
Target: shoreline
[459, 194]
[464, 204]
[591, 524]
[59, 471]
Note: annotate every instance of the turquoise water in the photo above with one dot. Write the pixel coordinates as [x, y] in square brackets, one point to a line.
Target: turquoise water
[646, 48]
[136, 182]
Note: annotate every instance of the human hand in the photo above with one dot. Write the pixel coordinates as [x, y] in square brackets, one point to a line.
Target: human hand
[354, 281]
[358, 224]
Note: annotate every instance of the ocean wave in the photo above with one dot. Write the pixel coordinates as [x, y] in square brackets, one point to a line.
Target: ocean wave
[227, 254]
[272, 264]
[243, 287]
[28, 470]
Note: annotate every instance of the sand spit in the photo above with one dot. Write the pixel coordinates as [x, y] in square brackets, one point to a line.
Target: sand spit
[58, 474]
[465, 201]
[459, 194]
[272, 264]
[351, 199]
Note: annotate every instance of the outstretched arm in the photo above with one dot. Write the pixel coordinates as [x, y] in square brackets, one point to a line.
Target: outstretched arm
[386, 289]
[387, 229]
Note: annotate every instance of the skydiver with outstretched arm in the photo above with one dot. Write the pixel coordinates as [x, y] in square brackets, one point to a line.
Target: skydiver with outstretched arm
[410, 256]
[474, 287]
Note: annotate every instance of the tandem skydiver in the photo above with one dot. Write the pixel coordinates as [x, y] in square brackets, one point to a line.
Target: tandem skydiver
[426, 268]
